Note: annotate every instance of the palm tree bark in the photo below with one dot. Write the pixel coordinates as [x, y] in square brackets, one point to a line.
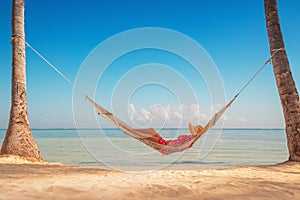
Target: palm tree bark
[285, 83]
[19, 140]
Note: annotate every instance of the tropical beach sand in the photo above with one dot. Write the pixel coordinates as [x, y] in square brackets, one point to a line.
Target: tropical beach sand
[41, 180]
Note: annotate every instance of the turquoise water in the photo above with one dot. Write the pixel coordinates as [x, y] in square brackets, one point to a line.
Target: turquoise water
[110, 148]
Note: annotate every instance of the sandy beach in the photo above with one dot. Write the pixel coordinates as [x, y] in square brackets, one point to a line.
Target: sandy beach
[26, 180]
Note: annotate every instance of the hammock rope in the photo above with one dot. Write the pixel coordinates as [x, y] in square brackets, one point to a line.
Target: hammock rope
[259, 70]
[55, 69]
[165, 149]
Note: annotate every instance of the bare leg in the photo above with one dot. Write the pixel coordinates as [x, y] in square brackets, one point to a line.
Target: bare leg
[151, 134]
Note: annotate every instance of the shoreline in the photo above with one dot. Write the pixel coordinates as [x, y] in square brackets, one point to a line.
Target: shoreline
[60, 181]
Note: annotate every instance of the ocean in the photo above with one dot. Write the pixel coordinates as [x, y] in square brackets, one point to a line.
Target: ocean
[110, 148]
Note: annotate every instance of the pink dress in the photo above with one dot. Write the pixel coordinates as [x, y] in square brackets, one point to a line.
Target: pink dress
[176, 145]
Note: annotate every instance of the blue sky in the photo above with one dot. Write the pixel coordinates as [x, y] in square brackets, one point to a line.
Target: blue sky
[232, 32]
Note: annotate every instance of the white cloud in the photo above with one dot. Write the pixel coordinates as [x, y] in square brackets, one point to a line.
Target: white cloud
[215, 108]
[177, 115]
[138, 115]
[187, 112]
[144, 116]
[158, 114]
[234, 118]
[131, 111]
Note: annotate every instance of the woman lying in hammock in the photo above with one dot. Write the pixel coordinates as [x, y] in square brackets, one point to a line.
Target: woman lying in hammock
[150, 135]
[156, 138]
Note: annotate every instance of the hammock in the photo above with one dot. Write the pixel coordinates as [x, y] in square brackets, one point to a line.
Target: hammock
[140, 135]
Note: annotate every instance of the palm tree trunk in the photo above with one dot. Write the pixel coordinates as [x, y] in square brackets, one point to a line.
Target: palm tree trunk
[285, 83]
[19, 140]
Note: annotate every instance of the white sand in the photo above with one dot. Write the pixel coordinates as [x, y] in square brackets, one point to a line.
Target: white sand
[41, 180]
